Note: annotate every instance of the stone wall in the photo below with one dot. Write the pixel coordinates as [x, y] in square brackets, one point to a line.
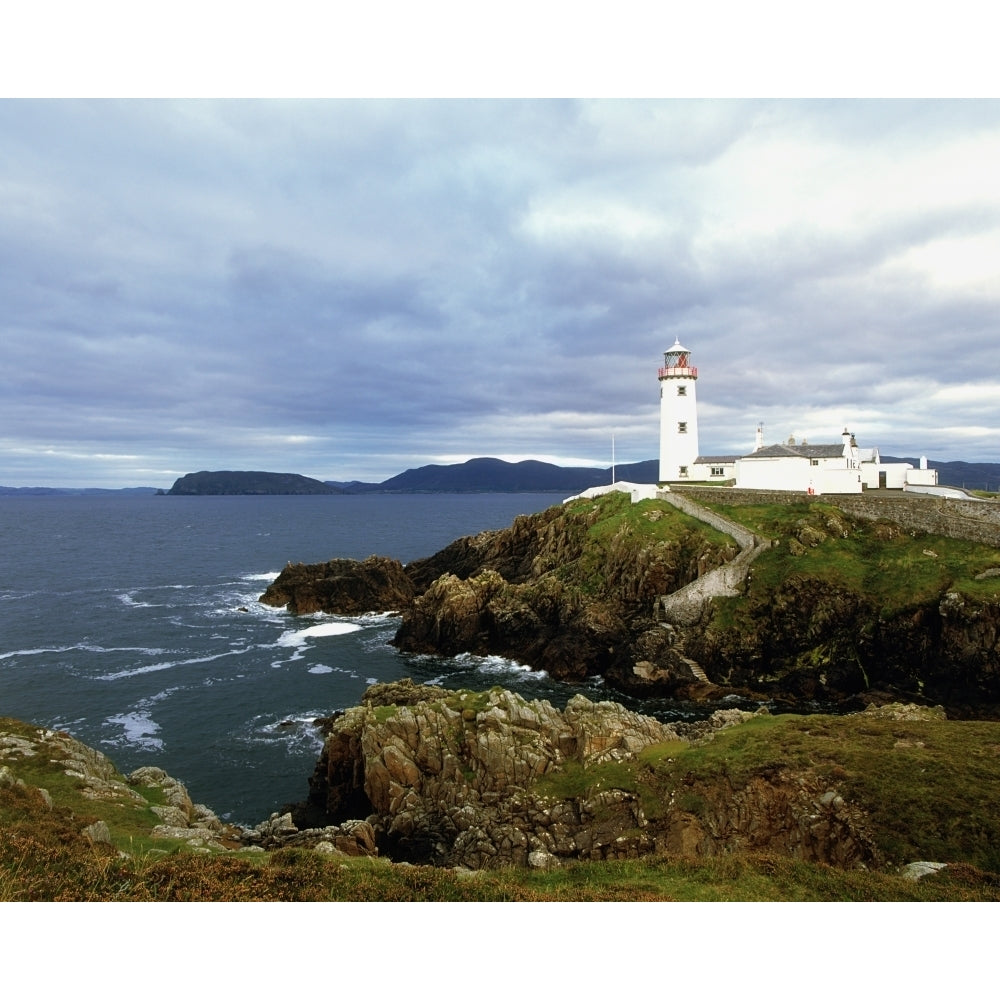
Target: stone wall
[684, 607]
[975, 521]
[744, 538]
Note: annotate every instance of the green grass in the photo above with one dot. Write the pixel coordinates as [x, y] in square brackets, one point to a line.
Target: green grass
[891, 567]
[622, 532]
[30, 870]
[574, 780]
[931, 788]
[620, 516]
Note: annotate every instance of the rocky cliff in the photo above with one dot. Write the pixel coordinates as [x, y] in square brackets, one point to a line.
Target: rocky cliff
[463, 780]
[860, 610]
[342, 586]
[571, 590]
[479, 780]
[838, 607]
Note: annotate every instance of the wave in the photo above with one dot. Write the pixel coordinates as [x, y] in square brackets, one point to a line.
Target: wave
[500, 665]
[299, 637]
[470, 666]
[138, 731]
[82, 648]
[297, 733]
[269, 577]
[130, 602]
[152, 668]
[377, 617]
[36, 652]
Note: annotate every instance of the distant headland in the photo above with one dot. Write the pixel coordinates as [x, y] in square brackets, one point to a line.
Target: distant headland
[248, 484]
[477, 475]
[493, 475]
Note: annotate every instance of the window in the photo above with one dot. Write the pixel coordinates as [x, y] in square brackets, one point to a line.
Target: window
[684, 471]
[682, 427]
[814, 461]
[682, 390]
[718, 470]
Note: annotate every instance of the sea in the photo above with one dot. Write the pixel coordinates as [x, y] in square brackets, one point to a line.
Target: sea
[133, 622]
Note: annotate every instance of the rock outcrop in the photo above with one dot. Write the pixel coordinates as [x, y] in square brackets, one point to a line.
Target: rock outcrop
[477, 780]
[809, 639]
[98, 780]
[342, 587]
[181, 821]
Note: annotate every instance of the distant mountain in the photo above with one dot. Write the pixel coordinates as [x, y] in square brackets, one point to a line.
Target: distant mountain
[492, 475]
[248, 484]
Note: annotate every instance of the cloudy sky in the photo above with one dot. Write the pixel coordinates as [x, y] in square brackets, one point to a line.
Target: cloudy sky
[350, 288]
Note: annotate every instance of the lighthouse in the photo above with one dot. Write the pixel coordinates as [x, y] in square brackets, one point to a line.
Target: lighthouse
[678, 414]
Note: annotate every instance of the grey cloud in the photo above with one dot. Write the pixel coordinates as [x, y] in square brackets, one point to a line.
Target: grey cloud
[352, 287]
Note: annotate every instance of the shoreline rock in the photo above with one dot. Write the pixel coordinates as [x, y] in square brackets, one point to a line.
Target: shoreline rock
[474, 780]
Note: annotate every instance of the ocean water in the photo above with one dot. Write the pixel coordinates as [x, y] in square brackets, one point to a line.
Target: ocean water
[134, 624]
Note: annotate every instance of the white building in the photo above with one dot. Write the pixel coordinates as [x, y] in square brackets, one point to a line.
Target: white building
[802, 467]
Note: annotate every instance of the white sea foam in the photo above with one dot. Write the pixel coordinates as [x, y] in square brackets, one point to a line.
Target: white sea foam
[300, 637]
[296, 732]
[378, 617]
[500, 665]
[138, 730]
[84, 648]
[269, 577]
[130, 602]
[152, 668]
[36, 652]
[323, 668]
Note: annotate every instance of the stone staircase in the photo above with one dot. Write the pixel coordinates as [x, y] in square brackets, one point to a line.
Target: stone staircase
[685, 607]
[677, 647]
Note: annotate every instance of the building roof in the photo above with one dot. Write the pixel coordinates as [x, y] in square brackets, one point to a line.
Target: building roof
[716, 459]
[798, 451]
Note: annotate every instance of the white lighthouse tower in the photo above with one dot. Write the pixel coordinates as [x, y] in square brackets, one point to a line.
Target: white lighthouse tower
[678, 414]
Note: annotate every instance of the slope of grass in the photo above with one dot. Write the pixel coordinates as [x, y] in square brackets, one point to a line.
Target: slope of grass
[625, 533]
